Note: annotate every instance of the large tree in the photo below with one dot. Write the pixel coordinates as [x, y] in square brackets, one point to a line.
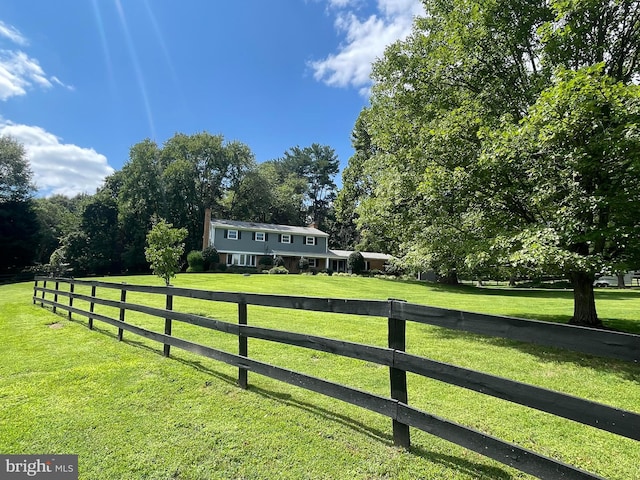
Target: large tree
[58, 216]
[355, 187]
[317, 165]
[473, 68]
[560, 189]
[140, 196]
[18, 220]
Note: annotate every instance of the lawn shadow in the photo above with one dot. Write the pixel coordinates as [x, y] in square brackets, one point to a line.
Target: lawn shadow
[617, 294]
[627, 370]
[476, 470]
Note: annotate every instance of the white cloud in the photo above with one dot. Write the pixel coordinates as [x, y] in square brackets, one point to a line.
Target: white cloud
[342, 3]
[12, 33]
[365, 40]
[59, 168]
[18, 71]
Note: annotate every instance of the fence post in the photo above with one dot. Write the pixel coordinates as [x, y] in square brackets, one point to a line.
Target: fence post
[35, 290]
[71, 290]
[91, 306]
[55, 296]
[44, 285]
[123, 298]
[397, 377]
[242, 344]
[167, 324]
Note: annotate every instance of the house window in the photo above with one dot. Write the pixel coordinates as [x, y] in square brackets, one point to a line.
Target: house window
[232, 234]
[259, 237]
[310, 241]
[241, 259]
[285, 238]
[367, 266]
[313, 263]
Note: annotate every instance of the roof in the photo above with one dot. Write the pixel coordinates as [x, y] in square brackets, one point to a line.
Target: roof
[365, 255]
[267, 227]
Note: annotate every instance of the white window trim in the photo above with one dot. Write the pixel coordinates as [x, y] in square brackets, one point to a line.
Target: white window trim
[313, 263]
[260, 239]
[283, 236]
[235, 234]
[312, 239]
[244, 259]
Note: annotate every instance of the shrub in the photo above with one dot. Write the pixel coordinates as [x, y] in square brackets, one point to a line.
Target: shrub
[394, 267]
[195, 260]
[241, 269]
[278, 261]
[355, 262]
[303, 264]
[278, 271]
[266, 261]
[211, 258]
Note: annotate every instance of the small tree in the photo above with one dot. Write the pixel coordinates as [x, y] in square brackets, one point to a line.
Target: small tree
[58, 265]
[278, 261]
[355, 262]
[164, 248]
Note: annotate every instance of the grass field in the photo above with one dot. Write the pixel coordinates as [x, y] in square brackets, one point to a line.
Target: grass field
[130, 413]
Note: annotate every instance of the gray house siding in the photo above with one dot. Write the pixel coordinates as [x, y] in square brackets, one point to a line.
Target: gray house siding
[298, 245]
[246, 243]
[246, 251]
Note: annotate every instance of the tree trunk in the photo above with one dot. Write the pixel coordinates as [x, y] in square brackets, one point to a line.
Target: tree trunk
[584, 304]
[621, 280]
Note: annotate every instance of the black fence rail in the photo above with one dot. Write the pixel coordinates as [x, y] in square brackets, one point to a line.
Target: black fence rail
[615, 345]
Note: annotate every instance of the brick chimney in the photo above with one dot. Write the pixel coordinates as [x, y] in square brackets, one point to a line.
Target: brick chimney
[313, 224]
[207, 227]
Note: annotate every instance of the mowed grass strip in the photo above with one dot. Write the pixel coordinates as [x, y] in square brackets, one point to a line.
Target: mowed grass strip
[130, 413]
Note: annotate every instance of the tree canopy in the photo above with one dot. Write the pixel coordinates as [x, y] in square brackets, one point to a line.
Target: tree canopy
[107, 232]
[503, 139]
[18, 219]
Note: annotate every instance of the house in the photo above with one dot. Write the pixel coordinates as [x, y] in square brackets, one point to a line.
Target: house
[245, 243]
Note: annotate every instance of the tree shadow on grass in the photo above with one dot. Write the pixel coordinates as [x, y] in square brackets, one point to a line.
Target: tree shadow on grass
[615, 294]
[627, 370]
[475, 470]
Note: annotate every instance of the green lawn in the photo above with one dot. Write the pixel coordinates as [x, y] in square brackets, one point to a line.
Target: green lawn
[129, 413]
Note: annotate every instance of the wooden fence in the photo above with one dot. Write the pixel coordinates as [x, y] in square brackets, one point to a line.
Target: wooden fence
[596, 342]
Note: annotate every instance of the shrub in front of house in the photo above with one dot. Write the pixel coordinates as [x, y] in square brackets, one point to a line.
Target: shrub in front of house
[241, 269]
[211, 258]
[278, 261]
[355, 262]
[195, 261]
[278, 271]
[265, 263]
[303, 264]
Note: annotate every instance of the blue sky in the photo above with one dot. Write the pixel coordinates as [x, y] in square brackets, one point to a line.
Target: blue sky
[81, 81]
